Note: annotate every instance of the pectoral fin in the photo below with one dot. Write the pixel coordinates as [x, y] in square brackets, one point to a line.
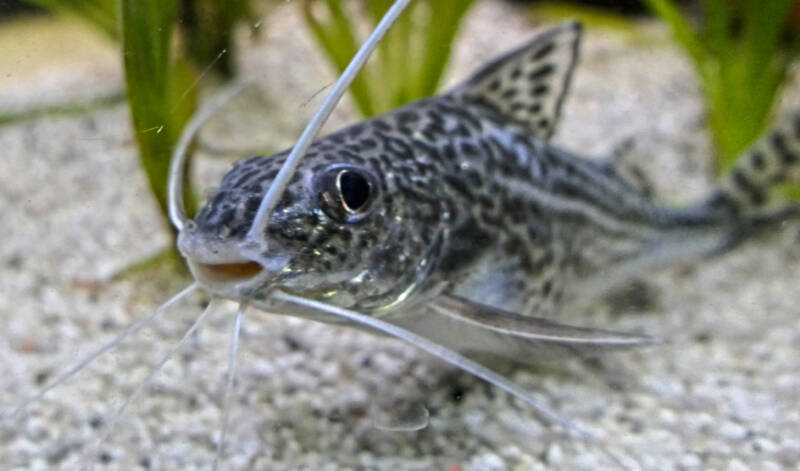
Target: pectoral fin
[533, 329]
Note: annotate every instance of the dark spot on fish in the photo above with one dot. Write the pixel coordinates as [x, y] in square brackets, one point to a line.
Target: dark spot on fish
[388, 205]
[754, 192]
[385, 159]
[459, 111]
[449, 151]
[483, 102]
[547, 259]
[779, 143]
[543, 51]
[458, 185]
[473, 178]
[509, 94]
[353, 132]
[796, 125]
[300, 236]
[368, 143]
[469, 149]
[507, 168]
[244, 177]
[516, 73]
[516, 211]
[722, 201]
[407, 116]
[462, 130]
[494, 85]
[381, 124]
[486, 201]
[467, 241]
[252, 204]
[757, 161]
[539, 90]
[289, 197]
[541, 72]
[405, 171]
[514, 247]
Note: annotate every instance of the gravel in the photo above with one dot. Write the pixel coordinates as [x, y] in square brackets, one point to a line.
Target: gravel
[76, 210]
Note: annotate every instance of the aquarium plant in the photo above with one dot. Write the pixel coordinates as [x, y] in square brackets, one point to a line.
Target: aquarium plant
[410, 60]
[164, 61]
[741, 51]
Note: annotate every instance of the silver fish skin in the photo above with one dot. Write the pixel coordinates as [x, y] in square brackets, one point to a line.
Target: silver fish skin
[462, 196]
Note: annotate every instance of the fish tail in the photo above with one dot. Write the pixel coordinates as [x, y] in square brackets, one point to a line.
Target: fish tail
[745, 204]
[774, 160]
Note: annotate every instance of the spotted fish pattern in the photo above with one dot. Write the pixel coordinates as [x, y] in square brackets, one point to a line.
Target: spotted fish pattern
[462, 195]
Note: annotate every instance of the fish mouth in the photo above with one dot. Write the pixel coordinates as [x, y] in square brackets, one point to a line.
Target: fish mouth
[235, 277]
[227, 273]
[230, 279]
[229, 268]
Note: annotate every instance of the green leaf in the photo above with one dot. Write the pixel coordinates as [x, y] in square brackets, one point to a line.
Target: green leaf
[337, 38]
[409, 61]
[680, 28]
[208, 27]
[742, 58]
[443, 22]
[160, 88]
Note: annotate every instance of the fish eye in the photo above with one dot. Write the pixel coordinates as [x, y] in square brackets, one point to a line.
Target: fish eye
[345, 192]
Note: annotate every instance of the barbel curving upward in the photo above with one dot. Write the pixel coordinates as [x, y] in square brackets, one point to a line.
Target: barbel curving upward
[454, 216]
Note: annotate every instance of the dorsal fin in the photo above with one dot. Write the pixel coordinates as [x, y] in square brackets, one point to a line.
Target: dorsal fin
[528, 84]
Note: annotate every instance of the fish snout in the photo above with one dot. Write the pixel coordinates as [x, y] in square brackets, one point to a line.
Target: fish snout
[221, 265]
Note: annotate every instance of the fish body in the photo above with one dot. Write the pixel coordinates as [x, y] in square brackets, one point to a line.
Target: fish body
[460, 202]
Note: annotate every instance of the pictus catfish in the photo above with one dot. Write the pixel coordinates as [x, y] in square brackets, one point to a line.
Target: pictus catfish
[454, 223]
[455, 217]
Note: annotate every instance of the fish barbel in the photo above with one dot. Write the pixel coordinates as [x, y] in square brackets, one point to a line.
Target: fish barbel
[458, 208]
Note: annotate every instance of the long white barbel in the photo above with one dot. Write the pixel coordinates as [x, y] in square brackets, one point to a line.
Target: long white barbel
[137, 326]
[275, 190]
[459, 361]
[114, 419]
[439, 351]
[231, 376]
[177, 164]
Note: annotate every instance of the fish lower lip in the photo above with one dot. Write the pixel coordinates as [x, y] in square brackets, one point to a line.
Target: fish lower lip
[222, 273]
